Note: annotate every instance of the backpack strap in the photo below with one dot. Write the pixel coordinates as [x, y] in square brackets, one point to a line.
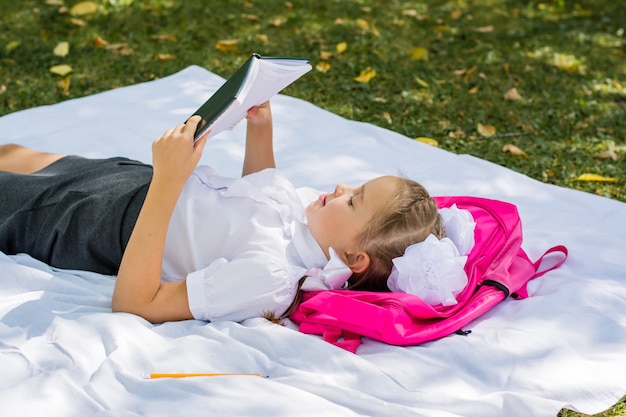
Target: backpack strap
[350, 342]
[523, 291]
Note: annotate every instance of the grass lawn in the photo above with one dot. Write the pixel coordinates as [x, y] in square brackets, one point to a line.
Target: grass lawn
[536, 86]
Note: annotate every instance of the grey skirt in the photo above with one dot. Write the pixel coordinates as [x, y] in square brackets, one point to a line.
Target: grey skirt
[76, 213]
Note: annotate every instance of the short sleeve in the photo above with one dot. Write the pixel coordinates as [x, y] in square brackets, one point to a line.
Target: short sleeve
[240, 289]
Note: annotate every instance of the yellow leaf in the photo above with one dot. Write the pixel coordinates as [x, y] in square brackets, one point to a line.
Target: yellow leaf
[166, 37]
[325, 56]
[363, 24]
[12, 45]
[595, 177]
[512, 95]
[322, 66]
[165, 57]
[421, 82]
[62, 49]
[428, 141]
[568, 63]
[64, 85]
[387, 117]
[366, 75]
[470, 72]
[99, 42]
[341, 47]
[227, 45]
[119, 48]
[3, 89]
[54, 2]
[251, 17]
[486, 130]
[473, 90]
[484, 29]
[77, 22]
[610, 154]
[83, 8]
[61, 70]
[514, 150]
[419, 54]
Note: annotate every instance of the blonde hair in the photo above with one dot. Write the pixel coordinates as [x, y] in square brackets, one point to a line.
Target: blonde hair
[407, 219]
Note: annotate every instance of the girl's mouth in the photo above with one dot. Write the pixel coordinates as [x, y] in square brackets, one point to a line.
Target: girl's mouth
[322, 199]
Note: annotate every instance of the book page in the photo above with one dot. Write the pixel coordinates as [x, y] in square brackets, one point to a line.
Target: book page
[266, 78]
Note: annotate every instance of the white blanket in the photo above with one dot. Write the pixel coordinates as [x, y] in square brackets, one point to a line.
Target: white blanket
[63, 353]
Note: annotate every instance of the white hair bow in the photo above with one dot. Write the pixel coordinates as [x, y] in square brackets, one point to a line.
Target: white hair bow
[434, 269]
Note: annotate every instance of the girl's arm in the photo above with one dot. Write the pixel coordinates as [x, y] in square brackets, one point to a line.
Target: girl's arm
[138, 288]
[259, 148]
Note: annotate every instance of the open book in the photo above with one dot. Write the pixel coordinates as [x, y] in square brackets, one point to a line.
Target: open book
[255, 82]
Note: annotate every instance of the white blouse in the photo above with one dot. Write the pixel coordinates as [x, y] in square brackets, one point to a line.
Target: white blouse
[242, 244]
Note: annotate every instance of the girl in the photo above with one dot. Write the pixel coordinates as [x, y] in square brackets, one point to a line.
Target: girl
[186, 243]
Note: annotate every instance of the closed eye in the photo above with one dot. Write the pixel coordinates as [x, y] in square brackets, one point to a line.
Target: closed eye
[350, 201]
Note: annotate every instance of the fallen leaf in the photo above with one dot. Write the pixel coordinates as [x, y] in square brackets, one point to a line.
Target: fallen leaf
[568, 63]
[77, 22]
[608, 155]
[473, 90]
[470, 72]
[64, 85]
[12, 45]
[387, 117]
[456, 14]
[514, 150]
[61, 70]
[251, 17]
[119, 48]
[3, 89]
[165, 57]
[54, 2]
[341, 46]
[227, 45]
[512, 95]
[486, 130]
[419, 54]
[84, 8]
[278, 22]
[366, 75]
[457, 134]
[262, 38]
[428, 141]
[325, 56]
[99, 42]
[595, 177]
[421, 82]
[62, 49]
[166, 37]
[484, 29]
[363, 24]
[322, 66]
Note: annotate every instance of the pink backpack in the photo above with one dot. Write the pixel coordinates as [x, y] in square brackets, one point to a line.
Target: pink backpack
[496, 267]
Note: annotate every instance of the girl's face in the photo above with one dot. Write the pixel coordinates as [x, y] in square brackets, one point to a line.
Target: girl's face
[335, 219]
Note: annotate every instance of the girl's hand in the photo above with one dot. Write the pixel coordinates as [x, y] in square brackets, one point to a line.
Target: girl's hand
[260, 115]
[174, 155]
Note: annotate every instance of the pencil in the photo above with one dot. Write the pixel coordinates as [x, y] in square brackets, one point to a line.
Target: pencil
[147, 375]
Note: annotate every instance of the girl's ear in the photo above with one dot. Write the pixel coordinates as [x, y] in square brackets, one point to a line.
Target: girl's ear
[358, 262]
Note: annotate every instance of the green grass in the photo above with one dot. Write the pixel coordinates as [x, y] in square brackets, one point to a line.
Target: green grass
[565, 59]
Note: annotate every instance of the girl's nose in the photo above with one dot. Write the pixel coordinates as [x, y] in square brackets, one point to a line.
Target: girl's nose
[340, 189]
